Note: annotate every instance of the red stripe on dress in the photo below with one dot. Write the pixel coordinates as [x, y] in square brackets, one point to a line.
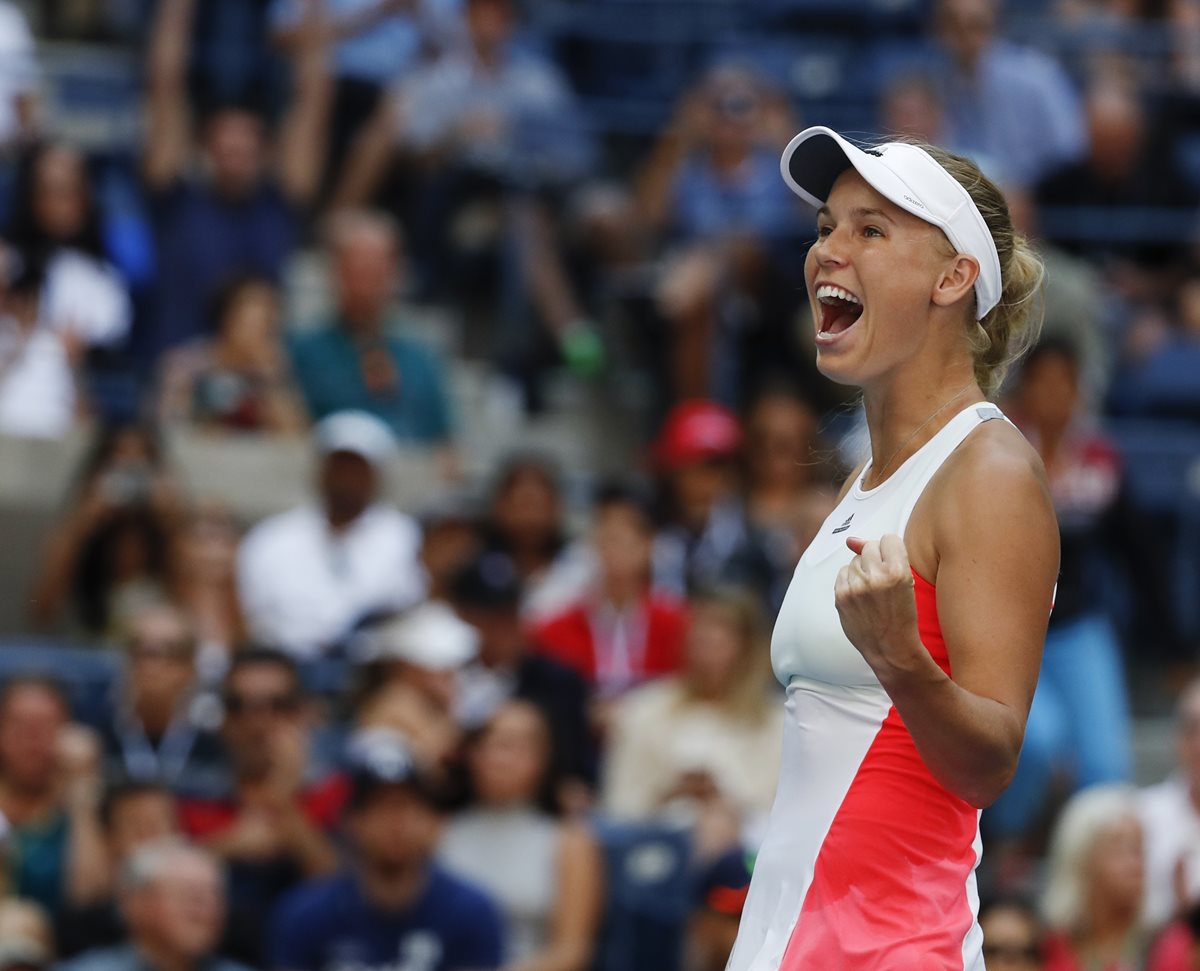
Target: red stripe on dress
[889, 886]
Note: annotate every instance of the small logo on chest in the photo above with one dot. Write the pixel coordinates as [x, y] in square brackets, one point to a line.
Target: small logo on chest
[845, 526]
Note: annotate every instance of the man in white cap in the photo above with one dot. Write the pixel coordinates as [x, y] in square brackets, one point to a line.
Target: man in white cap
[306, 577]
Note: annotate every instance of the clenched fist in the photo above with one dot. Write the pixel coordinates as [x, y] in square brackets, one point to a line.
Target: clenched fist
[873, 594]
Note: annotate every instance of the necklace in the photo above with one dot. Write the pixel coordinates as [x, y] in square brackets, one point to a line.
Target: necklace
[942, 407]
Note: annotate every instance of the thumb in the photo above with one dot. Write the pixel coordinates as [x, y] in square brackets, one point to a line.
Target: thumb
[856, 544]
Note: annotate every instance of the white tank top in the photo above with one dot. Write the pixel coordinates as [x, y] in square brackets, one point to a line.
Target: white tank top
[808, 641]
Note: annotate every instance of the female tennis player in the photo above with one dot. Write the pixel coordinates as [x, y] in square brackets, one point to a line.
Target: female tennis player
[911, 635]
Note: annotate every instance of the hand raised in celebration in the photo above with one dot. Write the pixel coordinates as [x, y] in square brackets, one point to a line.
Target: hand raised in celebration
[873, 594]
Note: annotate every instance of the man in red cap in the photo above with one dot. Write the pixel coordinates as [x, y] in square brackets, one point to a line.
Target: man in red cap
[707, 540]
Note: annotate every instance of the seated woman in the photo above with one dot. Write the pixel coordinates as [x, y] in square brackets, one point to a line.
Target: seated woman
[544, 873]
[705, 739]
[239, 380]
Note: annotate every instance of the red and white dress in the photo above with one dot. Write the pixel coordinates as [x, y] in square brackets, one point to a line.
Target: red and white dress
[868, 863]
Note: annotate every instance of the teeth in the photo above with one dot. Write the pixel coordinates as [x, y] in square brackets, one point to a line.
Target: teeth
[827, 291]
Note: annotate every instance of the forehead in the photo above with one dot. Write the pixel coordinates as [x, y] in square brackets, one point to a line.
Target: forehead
[851, 192]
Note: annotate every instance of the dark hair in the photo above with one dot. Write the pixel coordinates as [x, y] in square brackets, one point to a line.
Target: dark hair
[258, 655]
[94, 577]
[23, 229]
[622, 493]
[121, 791]
[512, 468]
[37, 682]
[546, 796]
[230, 291]
[104, 445]
[1054, 346]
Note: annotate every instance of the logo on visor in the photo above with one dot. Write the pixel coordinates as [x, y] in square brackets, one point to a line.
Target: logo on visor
[915, 202]
[873, 151]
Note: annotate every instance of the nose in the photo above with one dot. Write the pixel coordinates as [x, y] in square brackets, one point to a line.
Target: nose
[829, 249]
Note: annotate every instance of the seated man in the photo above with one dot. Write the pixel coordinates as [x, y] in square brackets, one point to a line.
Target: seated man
[173, 902]
[362, 358]
[273, 826]
[394, 908]
[309, 576]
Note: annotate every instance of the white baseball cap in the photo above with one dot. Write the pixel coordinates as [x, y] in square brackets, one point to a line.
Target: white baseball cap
[430, 635]
[358, 432]
[909, 177]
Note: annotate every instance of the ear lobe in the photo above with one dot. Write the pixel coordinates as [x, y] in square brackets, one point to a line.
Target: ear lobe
[956, 281]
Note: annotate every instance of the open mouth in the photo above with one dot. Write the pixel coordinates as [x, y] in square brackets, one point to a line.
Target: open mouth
[840, 310]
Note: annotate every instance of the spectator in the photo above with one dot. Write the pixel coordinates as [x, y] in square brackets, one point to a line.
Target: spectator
[720, 895]
[1080, 716]
[19, 80]
[204, 586]
[411, 665]
[133, 815]
[109, 553]
[155, 733]
[173, 903]
[375, 42]
[1012, 935]
[40, 394]
[622, 632]
[707, 539]
[525, 523]
[789, 480]
[712, 186]
[57, 225]
[363, 359]
[49, 787]
[274, 824]
[26, 943]
[705, 737]
[1170, 813]
[489, 132]
[393, 905]
[545, 875]
[308, 576]
[1009, 103]
[450, 539]
[239, 379]
[1094, 884]
[1128, 172]
[240, 217]
[487, 596]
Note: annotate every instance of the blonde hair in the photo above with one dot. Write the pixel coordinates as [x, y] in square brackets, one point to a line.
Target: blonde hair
[1081, 827]
[1012, 326]
[746, 696]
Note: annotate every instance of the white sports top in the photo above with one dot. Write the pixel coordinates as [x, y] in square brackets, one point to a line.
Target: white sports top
[868, 863]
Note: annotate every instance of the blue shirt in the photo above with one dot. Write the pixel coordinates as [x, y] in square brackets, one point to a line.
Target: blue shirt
[205, 240]
[329, 926]
[754, 200]
[328, 367]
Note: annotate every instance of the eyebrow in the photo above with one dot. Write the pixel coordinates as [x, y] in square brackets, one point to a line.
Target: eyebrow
[858, 212]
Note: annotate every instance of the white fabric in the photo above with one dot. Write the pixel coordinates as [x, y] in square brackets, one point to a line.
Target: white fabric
[359, 432]
[1172, 826]
[431, 636]
[18, 67]
[85, 297]
[911, 178]
[37, 385]
[303, 586]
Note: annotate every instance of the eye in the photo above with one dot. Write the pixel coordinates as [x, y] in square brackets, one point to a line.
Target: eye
[873, 231]
[823, 231]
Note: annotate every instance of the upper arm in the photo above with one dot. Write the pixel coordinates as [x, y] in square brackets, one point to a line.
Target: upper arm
[997, 544]
[580, 889]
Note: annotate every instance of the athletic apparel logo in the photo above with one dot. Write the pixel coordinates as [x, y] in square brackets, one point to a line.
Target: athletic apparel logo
[873, 151]
[989, 413]
[845, 526]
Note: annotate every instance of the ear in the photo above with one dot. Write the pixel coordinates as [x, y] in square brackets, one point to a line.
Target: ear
[955, 281]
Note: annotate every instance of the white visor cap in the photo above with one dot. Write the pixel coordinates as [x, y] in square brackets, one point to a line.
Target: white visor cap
[907, 176]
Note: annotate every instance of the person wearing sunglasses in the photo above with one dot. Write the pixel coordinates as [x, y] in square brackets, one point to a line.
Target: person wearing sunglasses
[272, 825]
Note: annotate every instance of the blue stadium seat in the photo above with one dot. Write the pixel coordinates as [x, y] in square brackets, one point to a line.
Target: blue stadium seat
[649, 896]
[86, 674]
[1160, 459]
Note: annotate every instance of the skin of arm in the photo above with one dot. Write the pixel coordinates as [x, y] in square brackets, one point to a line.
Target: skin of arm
[373, 151]
[168, 122]
[579, 902]
[304, 132]
[652, 191]
[988, 522]
[89, 870]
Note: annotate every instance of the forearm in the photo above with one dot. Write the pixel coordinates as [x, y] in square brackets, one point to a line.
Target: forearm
[969, 742]
[88, 878]
[167, 110]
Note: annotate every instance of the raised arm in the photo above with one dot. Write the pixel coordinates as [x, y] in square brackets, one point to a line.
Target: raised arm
[368, 160]
[652, 188]
[168, 119]
[304, 135]
[996, 541]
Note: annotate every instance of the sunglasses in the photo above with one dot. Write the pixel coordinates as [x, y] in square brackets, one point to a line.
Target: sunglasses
[268, 704]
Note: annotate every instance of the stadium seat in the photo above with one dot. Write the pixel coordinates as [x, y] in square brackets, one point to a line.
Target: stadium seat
[86, 674]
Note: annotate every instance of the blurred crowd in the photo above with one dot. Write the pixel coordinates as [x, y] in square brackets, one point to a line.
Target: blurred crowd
[529, 722]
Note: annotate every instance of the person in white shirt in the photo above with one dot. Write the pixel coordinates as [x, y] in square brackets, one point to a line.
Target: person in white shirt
[1170, 813]
[308, 576]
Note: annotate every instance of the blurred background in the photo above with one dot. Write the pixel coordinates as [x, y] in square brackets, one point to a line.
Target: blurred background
[409, 426]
